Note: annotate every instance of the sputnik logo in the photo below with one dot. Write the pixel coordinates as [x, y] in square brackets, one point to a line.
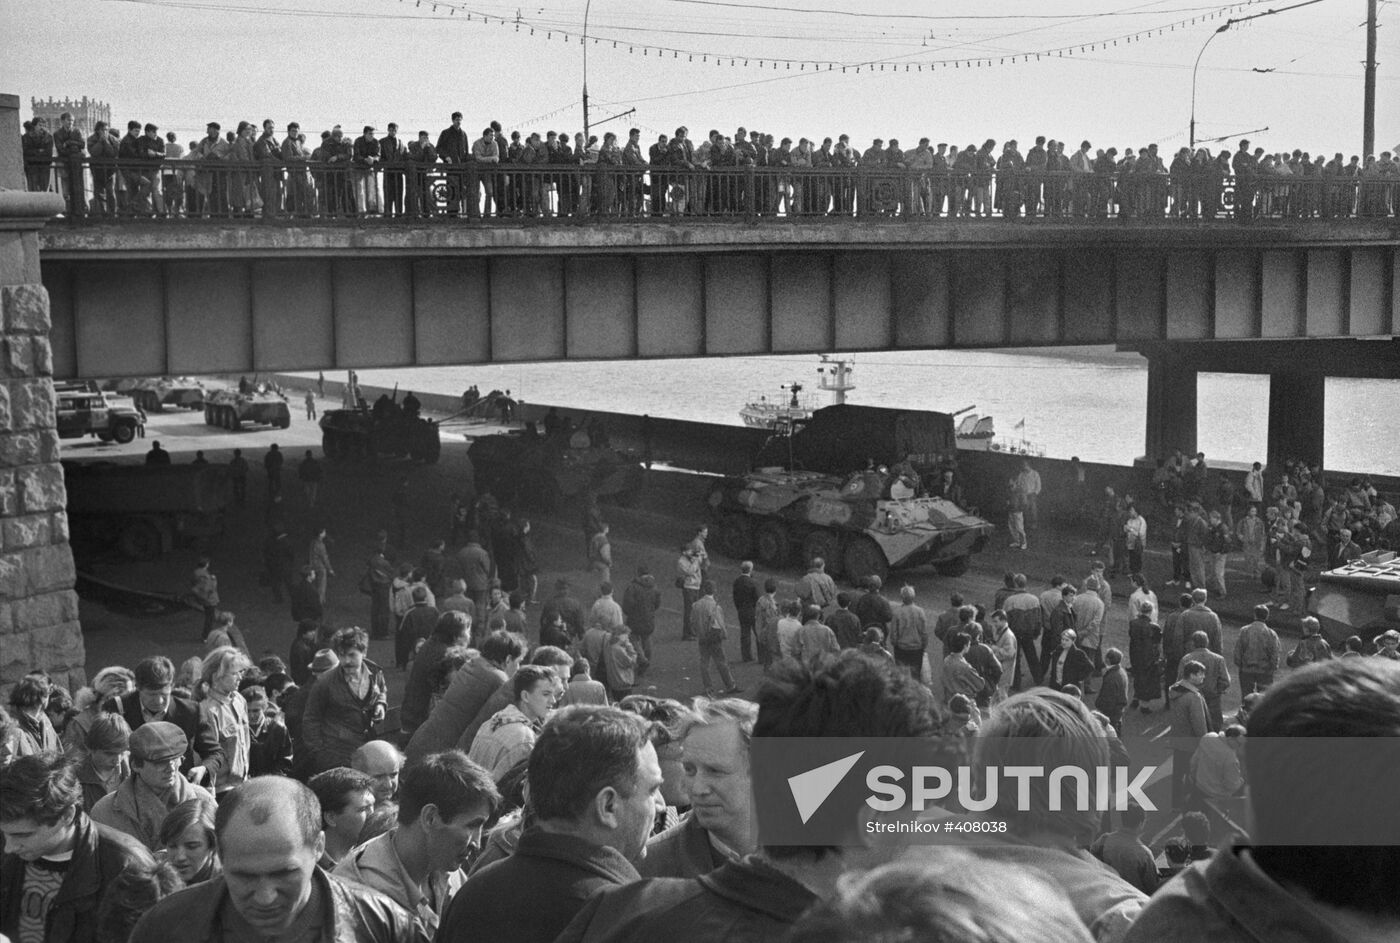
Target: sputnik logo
[811, 789]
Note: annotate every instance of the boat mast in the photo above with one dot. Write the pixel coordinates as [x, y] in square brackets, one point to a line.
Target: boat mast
[836, 377]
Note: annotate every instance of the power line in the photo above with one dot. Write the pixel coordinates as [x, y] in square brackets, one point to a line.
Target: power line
[934, 18]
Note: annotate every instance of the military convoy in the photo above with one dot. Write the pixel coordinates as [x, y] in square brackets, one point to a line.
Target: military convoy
[530, 469]
[835, 496]
[230, 409]
[83, 410]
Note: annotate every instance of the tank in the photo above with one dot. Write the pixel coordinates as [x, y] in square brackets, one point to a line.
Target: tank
[229, 409]
[350, 434]
[530, 469]
[155, 393]
[861, 525]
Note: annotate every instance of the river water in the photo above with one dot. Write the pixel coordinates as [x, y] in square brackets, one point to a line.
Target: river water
[1087, 401]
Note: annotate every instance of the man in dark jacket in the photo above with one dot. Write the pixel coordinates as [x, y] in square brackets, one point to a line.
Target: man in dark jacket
[37, 147]
[306, 602]
[269, 835]
[152, 700]
[595, 787]
[640, 601]
[418, 623]
[871, 608]
[759, 897]
[746, 603]
[58, 863]
[565, 606]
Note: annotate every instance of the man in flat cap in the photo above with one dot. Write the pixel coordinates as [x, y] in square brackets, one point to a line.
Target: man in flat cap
[210, 183]
[154, 787]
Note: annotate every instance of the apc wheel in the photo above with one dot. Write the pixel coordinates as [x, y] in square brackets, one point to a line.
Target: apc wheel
[283, 421]
[774, 547]
[330, 445]
[208, 415]
[104, 437]
[123, 433]
[827, 545]
[864, 558]
[734, 536]
[231, 421]
[954, 567]
[140, 540]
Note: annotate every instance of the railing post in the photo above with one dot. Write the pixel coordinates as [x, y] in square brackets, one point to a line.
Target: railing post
[750, 194]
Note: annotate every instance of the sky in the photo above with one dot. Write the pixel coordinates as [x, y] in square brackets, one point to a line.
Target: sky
[953, 70]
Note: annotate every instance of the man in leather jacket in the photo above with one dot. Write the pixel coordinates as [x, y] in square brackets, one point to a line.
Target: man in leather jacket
[269, 835]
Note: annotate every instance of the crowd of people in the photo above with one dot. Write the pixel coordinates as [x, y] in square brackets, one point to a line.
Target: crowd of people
[526, 786]
[251, 171]
[164, 816]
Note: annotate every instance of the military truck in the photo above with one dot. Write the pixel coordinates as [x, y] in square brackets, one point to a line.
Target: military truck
[531, 469]
[842, 487]
[230, 409]
[144, 510]
[1359, 598]
[83, 410]
[153, 394]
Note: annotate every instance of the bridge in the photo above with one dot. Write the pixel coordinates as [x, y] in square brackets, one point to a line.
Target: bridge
[263, 267]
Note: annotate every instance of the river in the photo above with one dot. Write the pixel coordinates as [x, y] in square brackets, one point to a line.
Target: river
[1084, 401]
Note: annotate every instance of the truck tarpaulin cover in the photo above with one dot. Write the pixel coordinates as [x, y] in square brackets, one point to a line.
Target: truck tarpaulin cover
[840, 439]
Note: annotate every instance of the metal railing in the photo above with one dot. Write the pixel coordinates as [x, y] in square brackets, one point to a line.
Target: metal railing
[341, 190]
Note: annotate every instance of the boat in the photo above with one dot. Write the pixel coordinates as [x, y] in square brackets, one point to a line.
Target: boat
[762, 412]
[977, 433]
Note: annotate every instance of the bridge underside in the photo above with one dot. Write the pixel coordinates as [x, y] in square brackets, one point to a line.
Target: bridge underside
[255, 303]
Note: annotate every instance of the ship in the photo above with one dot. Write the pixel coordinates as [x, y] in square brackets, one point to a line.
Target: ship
[975, 433]
[791, 408]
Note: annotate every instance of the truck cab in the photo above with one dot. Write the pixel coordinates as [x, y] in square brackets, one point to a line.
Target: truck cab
[83, 409]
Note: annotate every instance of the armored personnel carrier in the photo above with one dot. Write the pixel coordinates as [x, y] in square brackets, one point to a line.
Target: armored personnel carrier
[531, 469]
[229, 409]
[155, 393]
[349, 434]
[847, 491]
[1358, 598]
[861, 526]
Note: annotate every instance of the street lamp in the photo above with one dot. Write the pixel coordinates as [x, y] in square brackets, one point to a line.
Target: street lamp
[1193, 81]
[587, 7]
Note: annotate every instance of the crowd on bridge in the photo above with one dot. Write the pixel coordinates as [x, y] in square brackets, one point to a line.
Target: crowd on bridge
[529, 787]
[251, 171]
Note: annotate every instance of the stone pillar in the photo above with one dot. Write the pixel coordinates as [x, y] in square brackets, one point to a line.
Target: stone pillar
[1171, 407]
[38, 608]
[1296, 402]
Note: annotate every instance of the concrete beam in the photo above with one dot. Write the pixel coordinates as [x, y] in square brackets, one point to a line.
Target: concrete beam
[1171, 406]
[1333, 357]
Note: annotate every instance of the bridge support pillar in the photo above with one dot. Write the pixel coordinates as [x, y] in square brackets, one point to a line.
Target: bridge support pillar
[39, 613]
[1296, 402]
[1171, 406]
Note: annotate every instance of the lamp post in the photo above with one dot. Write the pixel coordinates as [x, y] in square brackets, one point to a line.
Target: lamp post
[586, 7]
[1193, 80]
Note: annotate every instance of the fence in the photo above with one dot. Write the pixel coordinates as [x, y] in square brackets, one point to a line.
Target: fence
[341, 190]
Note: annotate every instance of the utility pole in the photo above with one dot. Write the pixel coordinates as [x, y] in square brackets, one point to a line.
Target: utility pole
[1368, 107]
[590, 4]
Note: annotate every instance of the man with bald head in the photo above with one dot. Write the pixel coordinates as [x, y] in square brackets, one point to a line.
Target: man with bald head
[269, 836]
[381, 761]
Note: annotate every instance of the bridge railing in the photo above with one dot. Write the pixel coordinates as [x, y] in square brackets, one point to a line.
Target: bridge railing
[341, 190]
